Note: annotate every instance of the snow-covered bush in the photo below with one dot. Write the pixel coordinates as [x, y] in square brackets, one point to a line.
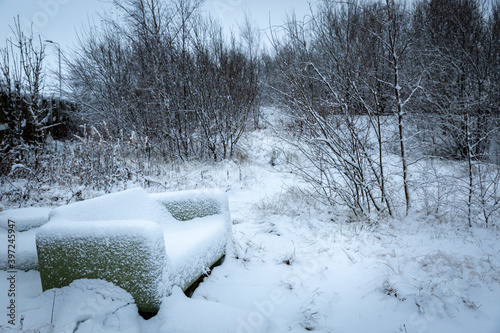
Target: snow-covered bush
[128, 253]
[57, 173]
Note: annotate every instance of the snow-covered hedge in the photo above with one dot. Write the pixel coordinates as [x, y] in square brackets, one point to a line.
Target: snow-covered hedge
[128, 253]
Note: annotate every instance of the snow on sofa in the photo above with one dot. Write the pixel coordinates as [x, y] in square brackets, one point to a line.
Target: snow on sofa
[25, 218]
[25, 222]
[144, 243]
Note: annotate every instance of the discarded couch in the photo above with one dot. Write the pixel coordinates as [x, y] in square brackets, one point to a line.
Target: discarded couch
[143, 243]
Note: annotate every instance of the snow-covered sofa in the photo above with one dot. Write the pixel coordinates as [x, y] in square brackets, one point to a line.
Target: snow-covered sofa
[144, 243]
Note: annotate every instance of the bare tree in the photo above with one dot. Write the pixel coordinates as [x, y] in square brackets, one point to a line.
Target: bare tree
[396, 38]
[166, 74]
[226, 86]
[251, 40]
[325, 89]
[21, 63]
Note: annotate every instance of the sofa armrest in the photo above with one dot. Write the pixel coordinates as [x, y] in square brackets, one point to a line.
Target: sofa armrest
[128, 253]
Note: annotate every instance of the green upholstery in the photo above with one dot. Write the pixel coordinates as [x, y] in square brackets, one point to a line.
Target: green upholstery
[128, 257]
[189, 209]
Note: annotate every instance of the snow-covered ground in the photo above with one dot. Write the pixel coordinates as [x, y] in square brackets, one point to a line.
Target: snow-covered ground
[297, 267]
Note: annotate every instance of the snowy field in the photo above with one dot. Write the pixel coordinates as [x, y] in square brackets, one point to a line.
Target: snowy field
[296, 267]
